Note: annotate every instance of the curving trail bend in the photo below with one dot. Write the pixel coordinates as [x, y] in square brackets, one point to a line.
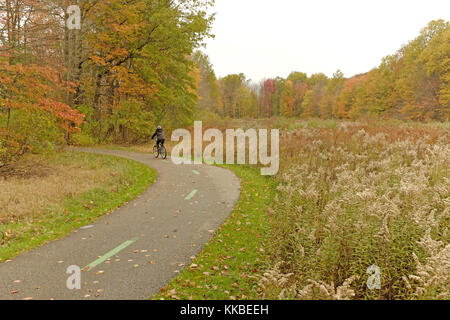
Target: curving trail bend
[137, 249]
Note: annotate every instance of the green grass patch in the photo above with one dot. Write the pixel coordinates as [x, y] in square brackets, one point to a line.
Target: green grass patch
[130, 179]
[229, 265]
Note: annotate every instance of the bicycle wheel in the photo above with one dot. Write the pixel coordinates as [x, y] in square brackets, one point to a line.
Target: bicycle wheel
[156, 151]
[163, 152]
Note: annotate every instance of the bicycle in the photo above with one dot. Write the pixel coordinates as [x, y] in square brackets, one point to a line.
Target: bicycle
[160, 150]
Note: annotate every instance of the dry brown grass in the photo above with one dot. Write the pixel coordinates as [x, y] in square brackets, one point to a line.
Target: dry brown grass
[37, 182]
[355, 195]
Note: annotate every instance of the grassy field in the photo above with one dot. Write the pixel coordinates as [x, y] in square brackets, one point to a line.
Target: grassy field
[355, 195]
[43, 198]
[349, 195]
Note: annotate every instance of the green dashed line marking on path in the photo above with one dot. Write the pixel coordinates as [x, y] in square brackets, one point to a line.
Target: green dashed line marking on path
[110, 254]
[196, 172]
[191, 195]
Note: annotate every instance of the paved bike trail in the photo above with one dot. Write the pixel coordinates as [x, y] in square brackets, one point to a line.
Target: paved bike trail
[145, 242]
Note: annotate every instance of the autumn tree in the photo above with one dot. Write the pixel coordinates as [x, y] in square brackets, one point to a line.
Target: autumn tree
[269, 89]
[32, 86]
[31, 102]
[287, 99]
[137, 68]
[208, 87]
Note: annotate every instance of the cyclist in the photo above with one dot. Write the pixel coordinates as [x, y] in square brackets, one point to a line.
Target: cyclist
[159, 133]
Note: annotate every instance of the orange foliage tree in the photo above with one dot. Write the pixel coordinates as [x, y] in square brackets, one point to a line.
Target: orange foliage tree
[30, 96]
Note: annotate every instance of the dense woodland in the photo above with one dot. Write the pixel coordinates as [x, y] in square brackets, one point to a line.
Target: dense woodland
[136, 63]
[127, 68]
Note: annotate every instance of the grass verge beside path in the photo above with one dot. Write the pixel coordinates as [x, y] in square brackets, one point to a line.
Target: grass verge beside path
[124, 180]
[228, 266]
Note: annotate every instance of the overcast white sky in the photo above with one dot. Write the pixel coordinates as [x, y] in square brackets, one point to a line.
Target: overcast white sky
[269, 38]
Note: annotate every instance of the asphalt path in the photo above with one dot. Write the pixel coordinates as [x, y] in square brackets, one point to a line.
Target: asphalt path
[133, 252]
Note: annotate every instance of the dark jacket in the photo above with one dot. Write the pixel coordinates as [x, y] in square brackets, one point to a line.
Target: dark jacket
[159, 133]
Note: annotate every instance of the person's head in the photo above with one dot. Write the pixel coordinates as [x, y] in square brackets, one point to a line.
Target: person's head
[159, 128]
